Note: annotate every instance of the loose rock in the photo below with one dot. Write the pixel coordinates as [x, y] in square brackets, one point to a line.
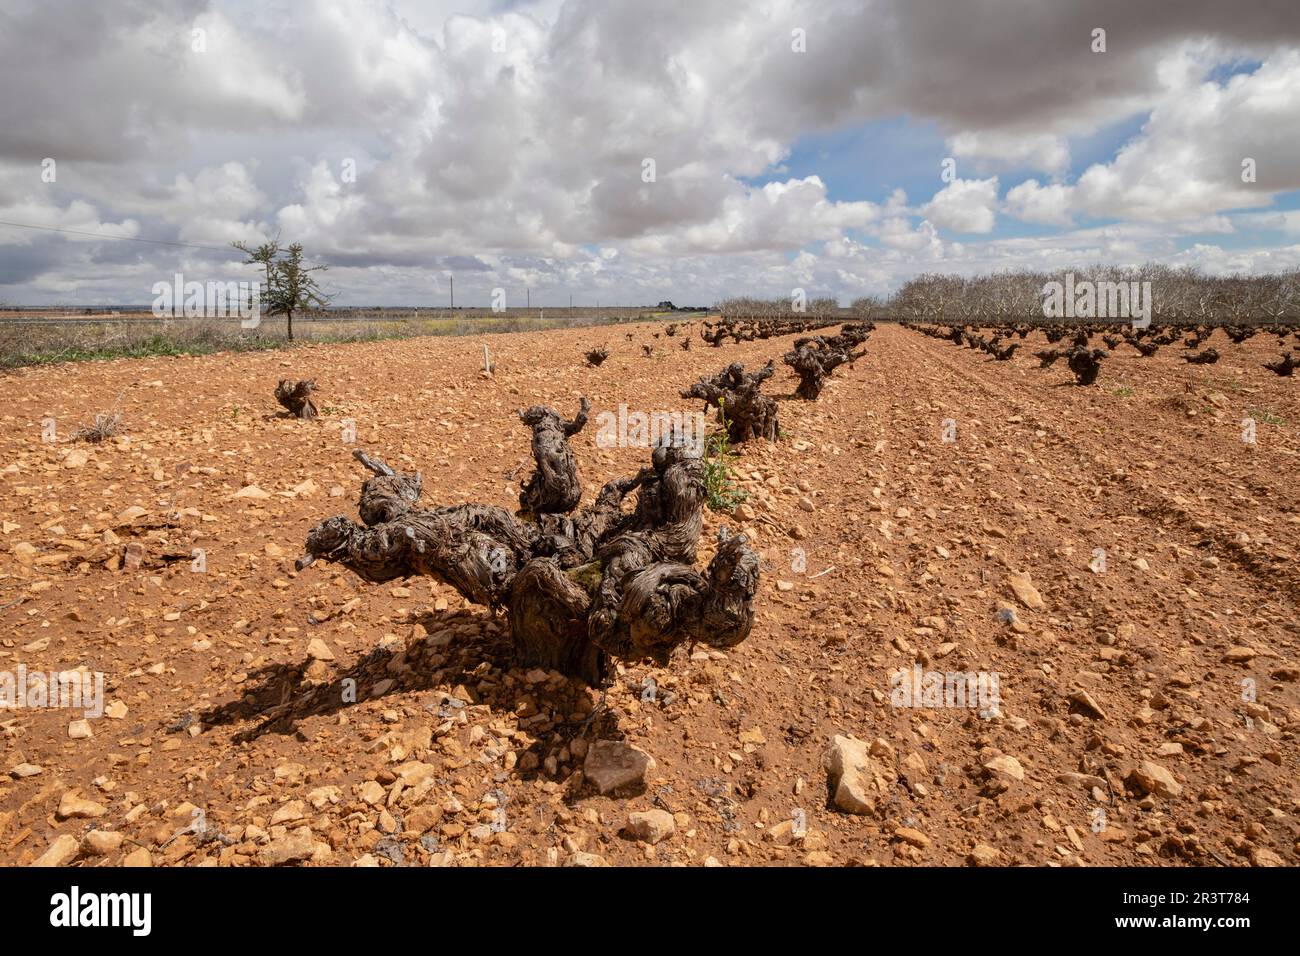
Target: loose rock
[616, 767]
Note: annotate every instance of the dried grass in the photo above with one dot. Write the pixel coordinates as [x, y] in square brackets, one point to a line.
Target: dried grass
[105, 426]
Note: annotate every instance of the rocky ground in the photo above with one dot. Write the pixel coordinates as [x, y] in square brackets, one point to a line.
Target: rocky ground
[1147, 708]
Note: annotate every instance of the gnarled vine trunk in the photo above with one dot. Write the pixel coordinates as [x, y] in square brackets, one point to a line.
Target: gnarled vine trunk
[813, 360]
[735, 394]
[553, 486]
[296, 397]
[580, 589]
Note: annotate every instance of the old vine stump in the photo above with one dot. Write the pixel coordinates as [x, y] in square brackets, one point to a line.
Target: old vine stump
[735, 394]
[580, 590]
[296, 397]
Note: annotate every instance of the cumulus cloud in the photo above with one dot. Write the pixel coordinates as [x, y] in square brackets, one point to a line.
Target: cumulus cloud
[26, 198]
[1033, 202]
[399, 140]
[1188, 160]
[1046, 151]
[899, 233]
[964, 205]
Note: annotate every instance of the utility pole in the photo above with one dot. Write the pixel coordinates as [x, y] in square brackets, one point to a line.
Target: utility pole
[528, 298]
[453, 290]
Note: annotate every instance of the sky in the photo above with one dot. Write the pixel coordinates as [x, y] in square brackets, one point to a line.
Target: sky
[628, 152]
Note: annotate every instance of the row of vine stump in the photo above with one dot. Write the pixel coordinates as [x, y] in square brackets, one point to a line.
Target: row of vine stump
[1084, 360]
[586, 587]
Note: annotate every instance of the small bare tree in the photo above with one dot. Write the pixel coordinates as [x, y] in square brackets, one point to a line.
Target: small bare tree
[290, 286]
[293, 287]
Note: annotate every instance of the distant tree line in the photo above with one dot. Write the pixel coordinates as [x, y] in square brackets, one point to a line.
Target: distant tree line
[1176, 295]
[751, 307]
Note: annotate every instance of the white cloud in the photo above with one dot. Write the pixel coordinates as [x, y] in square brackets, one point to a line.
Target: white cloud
[1188, 159]
[26, 199]
[1045, 151]
[1047, 205]
[964, 205]
[524, 164]
[898, 233]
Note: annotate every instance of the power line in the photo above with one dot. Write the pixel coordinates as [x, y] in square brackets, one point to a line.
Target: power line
[100, 235]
